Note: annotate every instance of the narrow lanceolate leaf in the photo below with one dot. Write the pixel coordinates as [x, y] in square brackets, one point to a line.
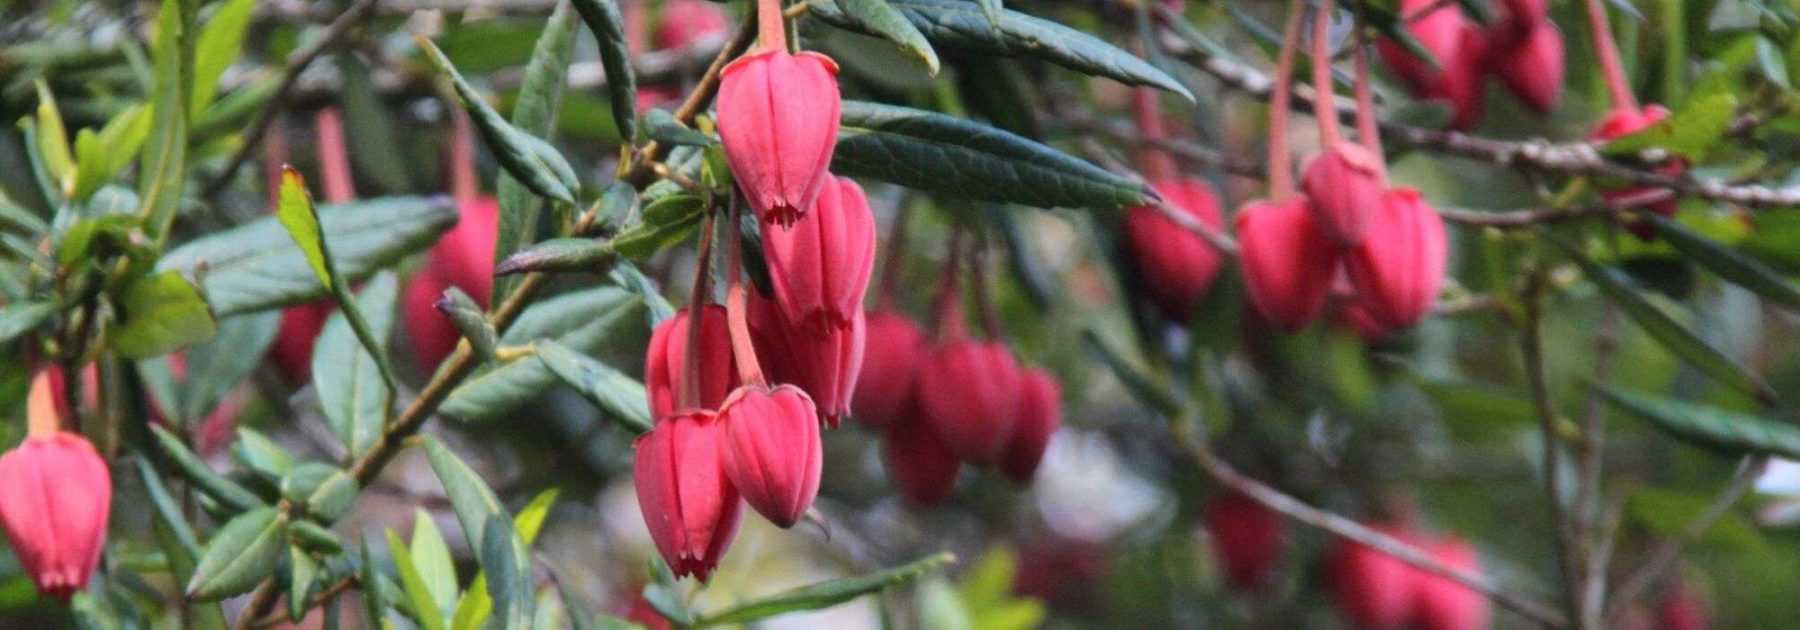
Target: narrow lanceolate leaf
[534, 162]
[560, 254]
[961, 25]
[507, 565]
[163, 170]
[417, 589]
[321, 490]
[303, 576]
[1661, 326]
[469, 496]
[878, 18]
[226, 491]
[661, 126]
[242, 553]
[348, 377]
[432, 556]
[603, 18]
[826, 594]
[534, 113]
[470, 321]
[1729, 263]
[296, 212]
[1720, 430]
[221, 40]
[619, 395]
[161, 313]
[581, 321]
[177, 541]
[943, 154]
[656, 307]
[476, 605]
[53, 141]
[261, 455]
[19, 318]
[257, 266]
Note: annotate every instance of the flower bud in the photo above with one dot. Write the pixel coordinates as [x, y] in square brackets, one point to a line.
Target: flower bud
[1287, 260]
[1399, 268]
[664, 361]
[690, 507]
[778, 120]
[684, 23]
[820, 264]
[918, 462]
[55, 494]
[293, 346]
[826, 366]
[771, 450]
[1344, 185]
[1247, 539]
[968, 395]
[1177, 266]
[890, 368]
[1441, 603]
[1533, 69]
[1039, 415]
[1372, 589]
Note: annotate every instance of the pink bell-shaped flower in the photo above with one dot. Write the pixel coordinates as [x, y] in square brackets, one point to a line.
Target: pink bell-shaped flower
[827, 366]
[969, 396]
[1533, 69]
[1623, 122]
[918, 462]
[684, 23]
[778, 119]
[1247, 538]
[689, 505]
[1441, 603]
[1399, 268]
[1344, 185]
[663, 361]
[1373, 590]
[1177, 266]
[885, 386]
[820, 264]
[55, 496]
[1287, 260]
[771, 450]
[1038, 417]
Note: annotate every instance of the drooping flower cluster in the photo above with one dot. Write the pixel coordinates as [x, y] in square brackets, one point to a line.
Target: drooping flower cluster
[55, 496]
[1375, 590]
[1522, 48]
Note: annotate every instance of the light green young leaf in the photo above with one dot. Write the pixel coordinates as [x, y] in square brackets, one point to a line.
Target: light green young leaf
[163, 171]
[412, 579]
[161, 313]
[303, 576]
[99, 157]
[296, 212]
[53, 141]
[221, 41]
[432, 556]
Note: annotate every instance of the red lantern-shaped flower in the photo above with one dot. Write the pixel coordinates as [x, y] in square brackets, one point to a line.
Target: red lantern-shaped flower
[689, 505]
[1455, 45]
[1533, 69]
[1374, 590]
[820, 264]
[686, 22]
[1038, 417]
[1397, 270]
[463, 258]
[969, 396]
[294, 339]
[1177, 265]
[778, 119]
[1287, 260]
[827, 366]
[771, 450]
[1344, 185]
[1445, 604]
[1247, 538]
[918, 462]
[890, 367]
[663, 361]
[55, 495]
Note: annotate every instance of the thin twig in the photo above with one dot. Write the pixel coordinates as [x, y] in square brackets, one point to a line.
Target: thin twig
[640, 173]
[296, 65]
[1665, 554]
[1590, 466]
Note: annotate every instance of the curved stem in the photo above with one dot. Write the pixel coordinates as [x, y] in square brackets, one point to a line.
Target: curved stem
[334, 158]
[1608, 52]
[743, 350]
[275, 159]
[41, 418]
[1281, 174]
[1321, 74]
[1367, 130]
[947, 307]
[689, 395]
[1155, 163]
[771, 27]
[990, 321]
[464, 185]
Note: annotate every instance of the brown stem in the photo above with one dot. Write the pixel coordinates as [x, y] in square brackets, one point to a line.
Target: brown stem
[1608, 52]
[464, 185]
[891, 266]
[948, 305]
[1321, 71]
[771, 28]
[334, 157]
[984, 304]
[641, 173]
[1281, 171]
[1366, 128]
[275, 158]
[1146, 110]
[689, 396]
[737, 317]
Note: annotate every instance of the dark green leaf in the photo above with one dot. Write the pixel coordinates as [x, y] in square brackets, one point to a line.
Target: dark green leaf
[469, 496]
[375, 601]
[256, 266]
[242, 553]
[470, 321]
[1689, 132]
[1712, 428]
[619, 395]
[1668, 513]
[534, 162]
[1662, 327]
[582, 321]
[826, 594]
[226, 491]
[374, 147]
[221, 363]
[303, 576]
[315, 537]
[534, 112]
[963, 26]
[347, 375]
[944, 154]
[656, 307]
[1730, 264]
[323, 490]
[476, 605]
[560, 254]
[508, 567]
[19, 318]
[161, 313]
[260, 455]
[603, 18]
[662, 127]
